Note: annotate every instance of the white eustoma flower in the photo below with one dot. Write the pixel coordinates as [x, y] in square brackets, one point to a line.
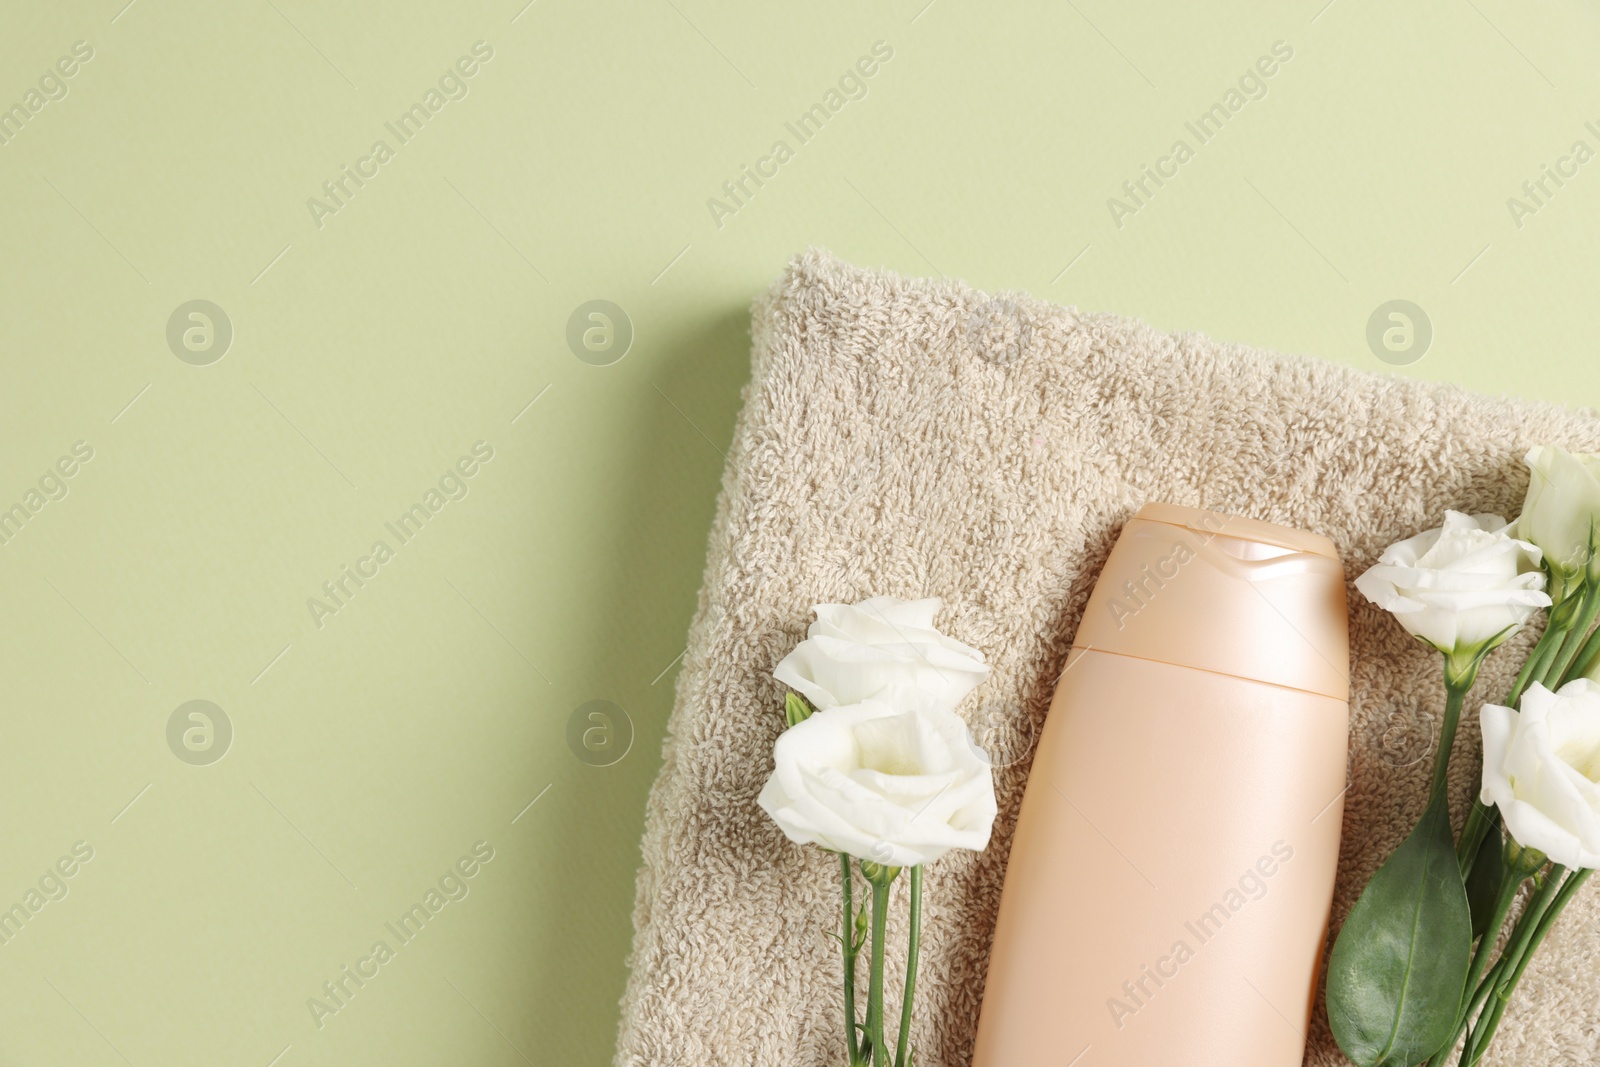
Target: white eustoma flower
[884, 649]
[1462, 588]
[896, 787]
[1561, 510]
[1541, 767]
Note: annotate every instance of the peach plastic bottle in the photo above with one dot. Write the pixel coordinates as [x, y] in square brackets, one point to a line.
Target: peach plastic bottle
[1167, 894]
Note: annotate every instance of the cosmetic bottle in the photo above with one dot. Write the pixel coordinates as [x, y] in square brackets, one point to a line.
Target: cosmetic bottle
[1167, 892]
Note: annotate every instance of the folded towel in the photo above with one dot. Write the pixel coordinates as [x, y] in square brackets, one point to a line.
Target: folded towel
[921, 438]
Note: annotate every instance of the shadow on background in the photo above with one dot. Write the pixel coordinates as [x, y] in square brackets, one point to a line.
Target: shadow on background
[664, 503]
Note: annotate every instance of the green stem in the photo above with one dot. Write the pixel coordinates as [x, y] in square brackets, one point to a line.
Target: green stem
[1510, 883]
[1485, 987]
[1528, 922]
[1525, 676]
[880, 914]
[1455, 694]
[1574, 640]
[1512, 963]
[1508, 983]
[1587, 658]
[1502, 904]
[1479, 821]
[912, 945]
[1555, 632]
[1573, 883]
[849, 943]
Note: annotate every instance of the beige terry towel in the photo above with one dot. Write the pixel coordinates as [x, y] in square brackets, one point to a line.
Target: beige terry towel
[920, 438]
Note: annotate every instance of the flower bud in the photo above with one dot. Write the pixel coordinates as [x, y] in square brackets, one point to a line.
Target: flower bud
[1522, 861]
[1560, 514]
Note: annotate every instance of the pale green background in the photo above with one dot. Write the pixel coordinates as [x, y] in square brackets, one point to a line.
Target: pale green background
[427, 313]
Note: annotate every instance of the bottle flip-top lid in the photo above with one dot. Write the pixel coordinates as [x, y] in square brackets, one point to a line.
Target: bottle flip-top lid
[1227, 594]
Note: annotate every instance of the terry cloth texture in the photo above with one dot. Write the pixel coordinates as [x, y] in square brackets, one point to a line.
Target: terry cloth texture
[920, 438]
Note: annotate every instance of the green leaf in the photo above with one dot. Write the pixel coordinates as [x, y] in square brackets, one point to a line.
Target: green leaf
[1483, 882]
[796, 709]
[1399, 967]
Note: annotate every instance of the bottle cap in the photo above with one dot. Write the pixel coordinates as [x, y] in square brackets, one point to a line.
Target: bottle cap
[1226, 594]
